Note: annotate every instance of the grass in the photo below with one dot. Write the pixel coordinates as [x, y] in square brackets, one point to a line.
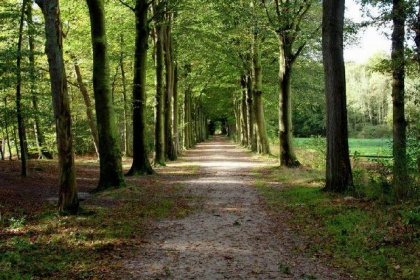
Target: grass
[91, 244]
[368, 239]
[378, 147]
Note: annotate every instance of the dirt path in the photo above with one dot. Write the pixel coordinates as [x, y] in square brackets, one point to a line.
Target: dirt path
[229, 236]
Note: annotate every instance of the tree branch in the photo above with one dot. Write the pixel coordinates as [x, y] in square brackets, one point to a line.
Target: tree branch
[122, 2]
[268, 14]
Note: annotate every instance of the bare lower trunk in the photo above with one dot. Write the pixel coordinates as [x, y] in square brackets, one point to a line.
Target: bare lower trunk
[263, 145]
[338, 168]
[110, 165]
[141, 164]
[169, 93]
[176, 112]
[127, 136]
[68, 199]
[399, 124]
[20, 119]
[40, 138]
[160, 98]
[287, 155]
[244, 113]
[6, 127]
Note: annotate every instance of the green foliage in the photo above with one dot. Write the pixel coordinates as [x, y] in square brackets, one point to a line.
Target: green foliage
[411, 218]
[308, 99]
[17, 223]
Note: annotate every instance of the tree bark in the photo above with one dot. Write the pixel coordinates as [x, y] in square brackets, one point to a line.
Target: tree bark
[20, 119]
[2, 147]
[176, 112]
[417, 58]
[252, 140]
[141, 164]
[263, 145]
[287, 155]
[6, 127]
[88, 104]
[338, 168]
[187, 142]
[127, 146]
[44, 152]
[169, 92]
[111, 174]
[399, 124]
[160, 97]
[191, 119]
[68, 199]
[244, 113]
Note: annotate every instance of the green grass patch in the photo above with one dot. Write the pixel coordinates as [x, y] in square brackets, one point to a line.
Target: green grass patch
[366, 239]
[377, 147]
[88, 245]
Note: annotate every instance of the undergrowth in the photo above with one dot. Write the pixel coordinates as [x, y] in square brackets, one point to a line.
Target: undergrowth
[364, 236]
[89, 245]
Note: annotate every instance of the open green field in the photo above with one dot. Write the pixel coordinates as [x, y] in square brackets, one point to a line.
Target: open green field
[371, 147]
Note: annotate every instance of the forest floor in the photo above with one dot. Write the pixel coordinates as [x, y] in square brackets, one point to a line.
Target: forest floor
[201, 217]
[229, 235]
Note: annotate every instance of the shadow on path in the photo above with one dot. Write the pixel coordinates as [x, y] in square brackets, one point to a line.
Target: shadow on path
[229, 236]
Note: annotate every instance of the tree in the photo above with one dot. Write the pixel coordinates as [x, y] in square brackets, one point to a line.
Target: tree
[287, 18]
[68, 199]
[160, 97]
[19, 113]
[263, 146]
[170, 151]
[141, 163]
[398, 120]
[39, 132]
[111, 174]
[88, 103]
[338, 168]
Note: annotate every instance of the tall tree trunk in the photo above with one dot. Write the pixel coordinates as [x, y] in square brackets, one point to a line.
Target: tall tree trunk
[127, 147]
[187, 111]
[16, 140]
[287, 155]
[252, 140]
[186, 120]
[20, 119]
[399, 123]
[111, 174]
[191, 119]
[160, 97]
[169, 93]
[263, 145]
[2, 145]
[244, 113]
[6, 127]
[68, 199]
[88, 104]
[417, 57]
[38, 129]
[176, 112]
[237, 106]
[338, 168]
[141, 163]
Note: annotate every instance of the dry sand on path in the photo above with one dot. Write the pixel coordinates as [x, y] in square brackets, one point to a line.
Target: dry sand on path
[229, 236]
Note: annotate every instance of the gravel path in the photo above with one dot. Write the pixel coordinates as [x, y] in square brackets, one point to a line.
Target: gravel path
[230, 236]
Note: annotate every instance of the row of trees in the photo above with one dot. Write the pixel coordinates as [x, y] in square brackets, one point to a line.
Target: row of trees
[105, 132]
[186, 63]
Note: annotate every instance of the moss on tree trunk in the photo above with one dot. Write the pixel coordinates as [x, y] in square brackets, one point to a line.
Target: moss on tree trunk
[111, 174]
